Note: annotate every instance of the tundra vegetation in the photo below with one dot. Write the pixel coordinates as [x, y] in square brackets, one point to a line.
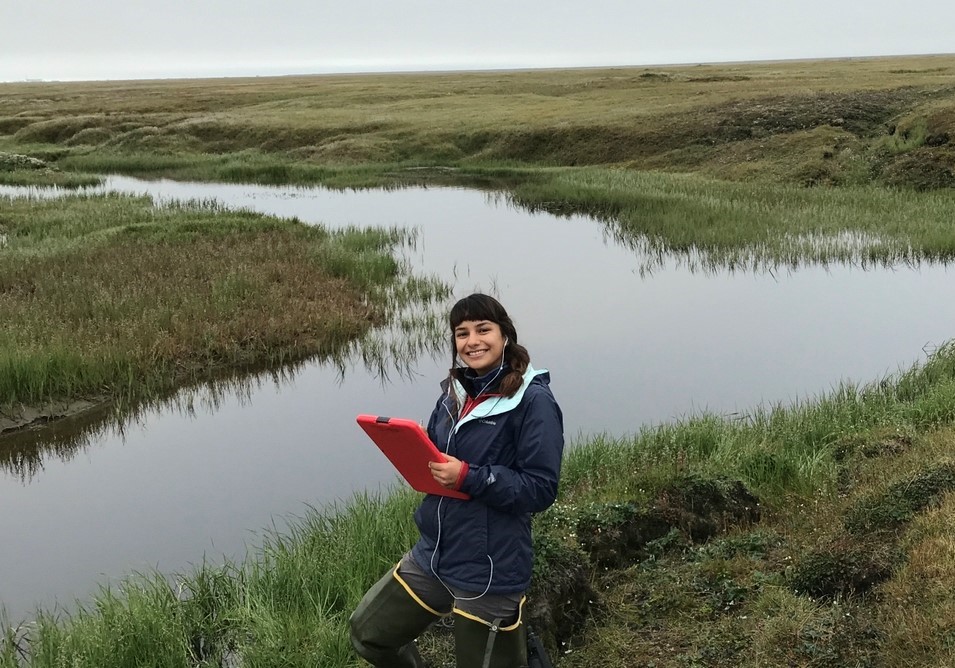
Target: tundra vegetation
[813, 534]
[108, 298]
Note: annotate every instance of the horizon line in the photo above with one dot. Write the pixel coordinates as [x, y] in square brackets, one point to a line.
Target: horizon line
[476, 69]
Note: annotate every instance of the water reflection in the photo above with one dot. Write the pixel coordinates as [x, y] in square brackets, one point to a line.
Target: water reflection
[845, 249]
[415, 327]
[22, 453]
[848, 248]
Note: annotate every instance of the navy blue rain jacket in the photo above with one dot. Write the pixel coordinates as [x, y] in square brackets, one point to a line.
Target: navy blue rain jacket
[513, 447]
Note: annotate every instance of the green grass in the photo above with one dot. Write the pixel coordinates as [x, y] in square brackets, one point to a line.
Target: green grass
[109, 297]
[784, 121]
[47, 178]
[713, 224]
[775, 449]
[286, 605]
[22, 170]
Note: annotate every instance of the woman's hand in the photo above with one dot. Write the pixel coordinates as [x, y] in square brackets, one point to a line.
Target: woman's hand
[446, 473]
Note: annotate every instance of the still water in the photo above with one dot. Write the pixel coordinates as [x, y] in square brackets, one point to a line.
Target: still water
[625, 349]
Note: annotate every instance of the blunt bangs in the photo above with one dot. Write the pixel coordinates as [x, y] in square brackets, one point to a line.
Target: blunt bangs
[477, 307]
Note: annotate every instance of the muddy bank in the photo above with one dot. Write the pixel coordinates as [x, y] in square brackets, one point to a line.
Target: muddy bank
[29, 434]
[20, 417]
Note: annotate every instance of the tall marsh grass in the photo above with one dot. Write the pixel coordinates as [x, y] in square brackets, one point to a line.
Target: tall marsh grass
[713, 225]
[776, 449]
[48, 178]
[110, 296]
[287, 604]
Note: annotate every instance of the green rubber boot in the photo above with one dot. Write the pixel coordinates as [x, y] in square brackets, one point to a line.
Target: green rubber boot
[385, 624]
[481, 645]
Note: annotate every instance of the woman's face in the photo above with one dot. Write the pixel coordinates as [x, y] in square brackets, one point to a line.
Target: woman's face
[480, 344]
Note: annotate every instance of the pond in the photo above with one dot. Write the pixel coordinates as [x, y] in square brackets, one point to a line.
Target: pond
[626, 348]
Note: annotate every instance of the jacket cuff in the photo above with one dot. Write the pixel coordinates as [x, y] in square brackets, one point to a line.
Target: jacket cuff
[462, 474]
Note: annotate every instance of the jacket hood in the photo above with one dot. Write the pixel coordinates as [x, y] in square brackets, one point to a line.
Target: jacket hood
[499, 404]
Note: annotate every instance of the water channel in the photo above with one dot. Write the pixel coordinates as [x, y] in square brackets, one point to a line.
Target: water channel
[626, 349]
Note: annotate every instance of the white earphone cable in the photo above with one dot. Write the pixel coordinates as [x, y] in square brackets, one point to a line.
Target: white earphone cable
[447, 447]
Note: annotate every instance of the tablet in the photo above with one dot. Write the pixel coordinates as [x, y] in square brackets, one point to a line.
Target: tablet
[407, 446]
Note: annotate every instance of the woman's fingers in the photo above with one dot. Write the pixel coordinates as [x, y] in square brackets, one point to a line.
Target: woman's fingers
[442, 473]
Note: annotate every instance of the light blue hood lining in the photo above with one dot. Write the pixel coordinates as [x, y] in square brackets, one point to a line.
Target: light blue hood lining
[497, 405]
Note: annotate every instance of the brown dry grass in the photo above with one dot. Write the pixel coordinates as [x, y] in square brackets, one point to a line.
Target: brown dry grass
[109, 296]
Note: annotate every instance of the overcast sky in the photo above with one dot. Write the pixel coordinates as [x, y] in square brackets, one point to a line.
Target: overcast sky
[121, 39]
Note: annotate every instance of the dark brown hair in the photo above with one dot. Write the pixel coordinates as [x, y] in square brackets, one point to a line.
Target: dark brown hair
[484, 307]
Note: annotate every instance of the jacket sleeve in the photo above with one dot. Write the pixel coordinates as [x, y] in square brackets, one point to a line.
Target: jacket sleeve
[530, 485]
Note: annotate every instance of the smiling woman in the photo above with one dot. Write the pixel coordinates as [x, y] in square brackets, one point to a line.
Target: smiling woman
[502, 435]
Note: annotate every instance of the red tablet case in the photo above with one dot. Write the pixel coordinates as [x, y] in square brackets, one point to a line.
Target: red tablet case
[408, 448]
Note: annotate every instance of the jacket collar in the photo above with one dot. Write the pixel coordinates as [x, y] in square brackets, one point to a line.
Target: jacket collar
[475, 385]
[497, 405]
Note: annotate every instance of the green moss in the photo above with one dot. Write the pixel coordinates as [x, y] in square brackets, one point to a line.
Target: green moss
[846, 566]
[562, 598]
[897, 506]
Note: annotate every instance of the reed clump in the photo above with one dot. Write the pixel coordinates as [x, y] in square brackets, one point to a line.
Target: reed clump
[712, 225]
[23, 170]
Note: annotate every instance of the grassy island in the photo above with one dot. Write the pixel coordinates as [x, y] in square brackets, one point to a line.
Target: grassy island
[109, 298]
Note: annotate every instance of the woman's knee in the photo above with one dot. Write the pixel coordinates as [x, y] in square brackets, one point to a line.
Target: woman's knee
[388, 617]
